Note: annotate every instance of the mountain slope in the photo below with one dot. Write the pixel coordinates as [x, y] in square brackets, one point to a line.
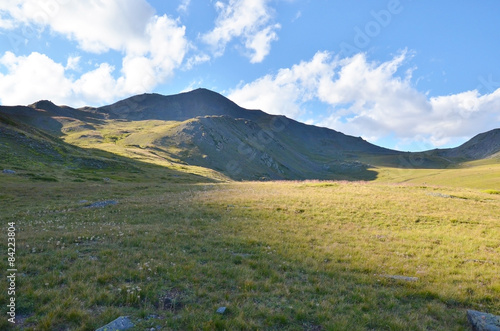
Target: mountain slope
[34, 154]
[202, 129]
[482, 146]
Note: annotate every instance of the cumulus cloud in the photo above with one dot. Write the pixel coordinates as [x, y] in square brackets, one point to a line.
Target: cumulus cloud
[250, 20]
[36, 76]
[284, 92]
[32, 78]
[371, 99]
[96, 25]
[152, 46]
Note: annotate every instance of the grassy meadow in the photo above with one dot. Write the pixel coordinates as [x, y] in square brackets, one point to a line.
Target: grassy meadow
[290, 255]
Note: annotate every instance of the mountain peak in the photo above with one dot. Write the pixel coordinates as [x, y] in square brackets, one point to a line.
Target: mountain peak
[180, 107]
[44, 104]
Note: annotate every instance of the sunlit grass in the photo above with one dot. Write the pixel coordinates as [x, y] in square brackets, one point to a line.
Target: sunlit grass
[483, 174]
[279, 255]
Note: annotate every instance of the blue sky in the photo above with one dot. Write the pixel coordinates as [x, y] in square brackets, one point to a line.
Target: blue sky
[404, 74]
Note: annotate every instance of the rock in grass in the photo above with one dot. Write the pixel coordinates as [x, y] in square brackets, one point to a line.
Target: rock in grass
[483, 321]
[7, 171]
[101, 204]
[221, 310]
[121, 323]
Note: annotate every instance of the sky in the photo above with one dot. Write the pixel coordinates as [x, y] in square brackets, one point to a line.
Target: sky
[404, 74]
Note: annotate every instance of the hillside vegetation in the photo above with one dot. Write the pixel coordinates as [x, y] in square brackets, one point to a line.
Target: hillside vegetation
[156, 218]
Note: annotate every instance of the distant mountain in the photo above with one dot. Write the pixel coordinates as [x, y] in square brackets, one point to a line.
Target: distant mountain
[204, 129]
[482, 146]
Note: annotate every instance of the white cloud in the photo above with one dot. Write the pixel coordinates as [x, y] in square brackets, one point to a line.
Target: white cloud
[260, 43]
[371, 99]
[6, 23]
[196, 60]
[96, 86]
[184, 6]
[285, 92]
[153, 46]
[73, 63]
[96, 25]
[32, 78]
[250, 20]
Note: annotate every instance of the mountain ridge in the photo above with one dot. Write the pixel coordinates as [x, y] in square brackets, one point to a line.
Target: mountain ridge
[205, 129]
[481, 146]
[181, 107]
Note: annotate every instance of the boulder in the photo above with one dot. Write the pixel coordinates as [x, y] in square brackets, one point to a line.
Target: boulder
[483, 321]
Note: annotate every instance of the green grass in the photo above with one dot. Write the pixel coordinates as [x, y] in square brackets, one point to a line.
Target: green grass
[279, 255]
[483, 174]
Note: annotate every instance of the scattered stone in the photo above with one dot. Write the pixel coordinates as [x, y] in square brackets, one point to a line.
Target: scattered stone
[106, 179]
[483, 321]
[83, 201]
[101, 204]
[440, 195]
[221, 310]
[121, 323]
[7, 171]
[405, 278]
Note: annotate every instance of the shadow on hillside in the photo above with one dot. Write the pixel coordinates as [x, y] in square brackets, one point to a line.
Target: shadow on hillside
[40, 156]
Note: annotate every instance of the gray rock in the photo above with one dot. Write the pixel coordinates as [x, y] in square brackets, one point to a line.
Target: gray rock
[121, 323]
[101, 204]
[482, 321]
[221, 310]
[7, 171]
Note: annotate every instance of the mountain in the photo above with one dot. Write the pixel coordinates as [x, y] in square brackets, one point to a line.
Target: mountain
[205, 133]
[216, 133]
[179, 107]
[482, 146]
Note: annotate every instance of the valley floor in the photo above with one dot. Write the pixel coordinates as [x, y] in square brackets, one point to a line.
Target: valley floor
[307, 255]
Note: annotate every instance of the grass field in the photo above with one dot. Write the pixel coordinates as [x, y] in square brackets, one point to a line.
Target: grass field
[482, 174]
[279, 255]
